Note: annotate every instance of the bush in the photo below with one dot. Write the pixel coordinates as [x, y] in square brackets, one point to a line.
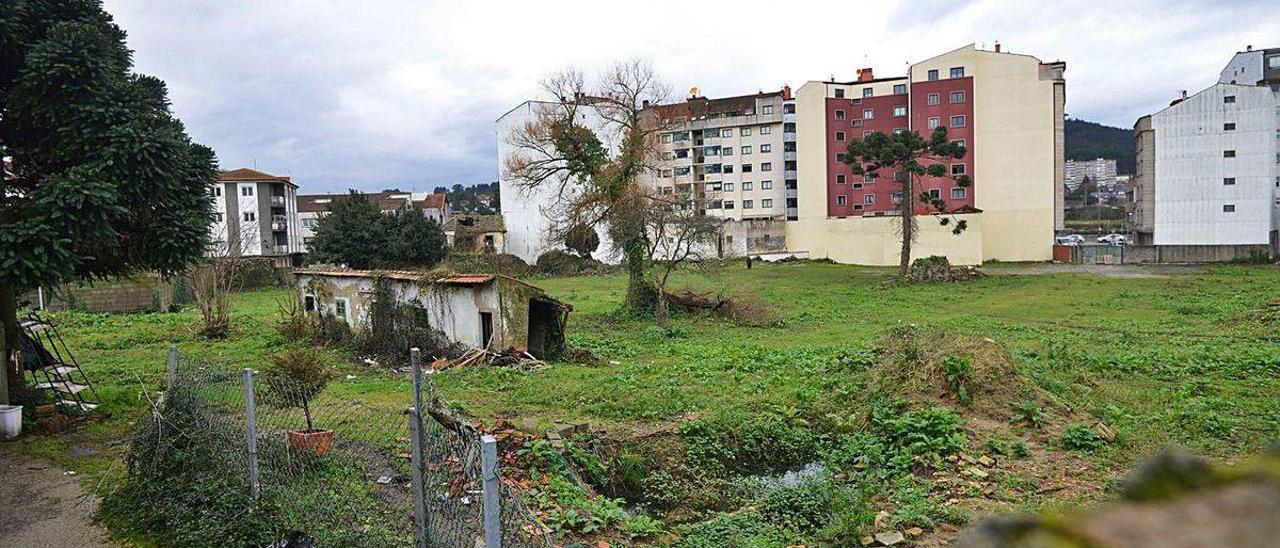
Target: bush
[1081, 437]
[1028, 413]
[749, 445]
[560, 263]
[294, 377]
[959, 377]
[743, 529]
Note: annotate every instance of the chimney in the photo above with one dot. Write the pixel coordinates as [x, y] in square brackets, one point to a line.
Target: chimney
[644, 104]
[997, 46]
[1249, 47]
[786, 92]
[865, 75]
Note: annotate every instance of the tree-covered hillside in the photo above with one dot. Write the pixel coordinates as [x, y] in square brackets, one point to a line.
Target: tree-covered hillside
[1087, 141]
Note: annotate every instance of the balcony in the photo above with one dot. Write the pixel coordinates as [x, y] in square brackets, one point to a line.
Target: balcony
[793, 214]
[789, 137]
[279, 223]
[277, 200]
[792, 193]
[280, 249]
[789, 175]
[789, 155]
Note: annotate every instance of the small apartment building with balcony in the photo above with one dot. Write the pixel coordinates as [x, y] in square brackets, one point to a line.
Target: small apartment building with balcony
[1208, 165]
[736, 158]
[255, 215]
[1006, 109]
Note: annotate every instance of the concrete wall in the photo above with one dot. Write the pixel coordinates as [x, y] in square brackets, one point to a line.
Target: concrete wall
[875, 240]
[1142, 254]
[1190, 168]
[137, 294]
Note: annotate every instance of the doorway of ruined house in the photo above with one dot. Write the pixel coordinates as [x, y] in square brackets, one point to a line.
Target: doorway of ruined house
[542, 319]
[486, 329]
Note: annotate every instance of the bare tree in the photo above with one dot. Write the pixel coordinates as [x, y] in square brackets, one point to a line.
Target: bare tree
[212, 280]
[679, 234]
[596, 172]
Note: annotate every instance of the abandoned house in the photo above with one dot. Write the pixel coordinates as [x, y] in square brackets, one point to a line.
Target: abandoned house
[477, 310]
[476, 233]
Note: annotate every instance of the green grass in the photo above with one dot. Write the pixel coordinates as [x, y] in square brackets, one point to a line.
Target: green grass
[1188, 360]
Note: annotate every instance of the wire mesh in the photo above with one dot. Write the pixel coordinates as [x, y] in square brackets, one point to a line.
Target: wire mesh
[338, 468]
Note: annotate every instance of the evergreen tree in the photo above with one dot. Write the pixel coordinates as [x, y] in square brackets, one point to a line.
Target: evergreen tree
[102, 179]
[413, 239]
[350, 233]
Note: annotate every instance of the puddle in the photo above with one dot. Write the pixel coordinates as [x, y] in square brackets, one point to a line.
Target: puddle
[790, 478]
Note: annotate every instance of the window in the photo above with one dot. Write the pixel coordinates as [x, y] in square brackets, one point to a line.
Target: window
[728, 168]
[839, 114]
[900, 111]
[959, 142]
[957, 121]
[865, 133]
[766, 185]
[1228, 181]
[766, 203]
[748, 204]
[306, 223]
[217, 190]
[666, 137]
[250, 216]
[726, 132]
[746, 168]
[856, 123]
[726, 151]
[857, 186]
[246, 191]
[934, 99]
[868, 92]
[839, 179]
[957, 97]
[869, 199]
[935, 193]
[957, 72]
[767, 109]
[899, 89]
[840, 136]
[340, 309]
[897, 197]
[747, 185]
[728, 187]
[765, 130]
[666, 173]
[746, 149]
[1229, 99]
[1228, 208]
[682, 170]
[746, 131]
[839, 92]
[766, 166]
[217, 218]
[957, 169]
[855, 101]
[958, 193]
[842, 200]
[309, 303]
[868, 114]
[933, 74]
[728, 204]
[1273, 61]
[766, 149]
[1228, 154]
[1229, 126]
[934, 122]
[868, 178]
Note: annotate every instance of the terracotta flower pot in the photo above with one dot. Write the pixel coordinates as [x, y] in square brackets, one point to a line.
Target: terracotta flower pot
[317, 441]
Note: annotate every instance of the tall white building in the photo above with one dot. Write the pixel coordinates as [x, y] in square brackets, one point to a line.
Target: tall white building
[1102, 172]
[1208, 168]
[256, 215]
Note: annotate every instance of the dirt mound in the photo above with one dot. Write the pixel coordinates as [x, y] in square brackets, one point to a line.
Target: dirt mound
[974, 373]
[742, 308]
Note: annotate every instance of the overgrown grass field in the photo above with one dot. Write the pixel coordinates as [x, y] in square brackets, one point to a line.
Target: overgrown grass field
[1184, 359]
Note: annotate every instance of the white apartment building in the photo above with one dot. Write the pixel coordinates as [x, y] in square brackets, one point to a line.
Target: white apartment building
[736, 157]
[256, 214]
[1209, 164]
[1102, 172]
[527, 213]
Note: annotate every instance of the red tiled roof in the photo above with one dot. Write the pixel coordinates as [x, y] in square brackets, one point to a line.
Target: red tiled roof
[390, 200]
[433, 201]
[246, 174]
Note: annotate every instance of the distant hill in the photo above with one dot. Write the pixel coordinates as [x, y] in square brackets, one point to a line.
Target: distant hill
[1088, 141]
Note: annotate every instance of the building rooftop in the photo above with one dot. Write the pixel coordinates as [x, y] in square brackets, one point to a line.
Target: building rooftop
[430, 277]
[478, 223]
[387, 200]
[245, 174]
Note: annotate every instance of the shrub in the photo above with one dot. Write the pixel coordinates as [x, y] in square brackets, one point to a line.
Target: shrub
[1081, 437]
[743, 529]
[808, 507]
[748, 445]
[560, 263]
[296, 376]
[959, 377]
[1028, 413]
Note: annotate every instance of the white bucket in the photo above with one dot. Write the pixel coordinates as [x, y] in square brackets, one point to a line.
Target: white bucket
[10, 421]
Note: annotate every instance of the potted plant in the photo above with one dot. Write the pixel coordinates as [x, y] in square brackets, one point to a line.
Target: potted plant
[294, 378]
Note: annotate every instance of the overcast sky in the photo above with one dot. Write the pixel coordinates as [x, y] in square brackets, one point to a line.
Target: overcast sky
[377, 94]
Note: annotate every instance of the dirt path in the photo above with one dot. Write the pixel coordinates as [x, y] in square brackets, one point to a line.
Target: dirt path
[42, 506]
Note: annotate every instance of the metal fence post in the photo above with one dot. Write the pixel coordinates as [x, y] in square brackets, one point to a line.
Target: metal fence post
[251, 432]
[173, 368]
[419, 491]
[416, 363]
[489, 474]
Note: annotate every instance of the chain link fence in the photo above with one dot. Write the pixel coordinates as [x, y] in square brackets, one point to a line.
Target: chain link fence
[340, 469]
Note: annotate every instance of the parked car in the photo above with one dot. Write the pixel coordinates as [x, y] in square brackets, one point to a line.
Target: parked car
[1112, 239]
[1070, 239]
